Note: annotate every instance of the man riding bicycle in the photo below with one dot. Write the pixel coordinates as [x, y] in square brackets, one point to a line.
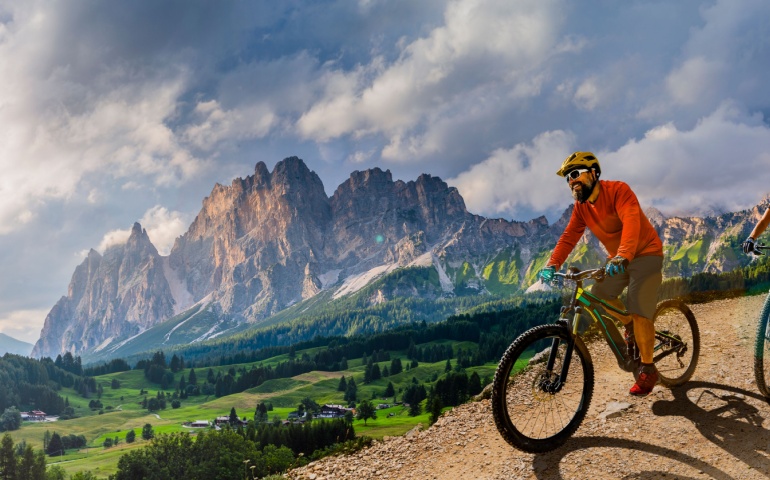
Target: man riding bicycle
[748, 245]
[611, 211]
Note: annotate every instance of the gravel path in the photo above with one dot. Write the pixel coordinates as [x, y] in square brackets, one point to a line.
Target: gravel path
[715, 426]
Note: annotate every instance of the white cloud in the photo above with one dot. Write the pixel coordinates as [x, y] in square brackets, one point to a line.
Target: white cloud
[214, 124]
[112, 238]
[485, 48]
[163, 227]
[24, 325]
[57, 125]
[523, 177]
[695, 79]
[723, 162]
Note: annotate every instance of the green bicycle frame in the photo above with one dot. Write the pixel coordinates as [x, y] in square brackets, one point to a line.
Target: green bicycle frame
[606, 324]
[609, 330]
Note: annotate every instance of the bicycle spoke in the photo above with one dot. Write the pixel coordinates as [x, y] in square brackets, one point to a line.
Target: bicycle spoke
[541, 414]
[677, 342]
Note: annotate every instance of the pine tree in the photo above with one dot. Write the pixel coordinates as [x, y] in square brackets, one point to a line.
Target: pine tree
[352, 391]
[174, 365]
[389, 390]
[395, 366]
[55, 446]
[343, 385]
[474, 384]
[434, 407]
[7, 458]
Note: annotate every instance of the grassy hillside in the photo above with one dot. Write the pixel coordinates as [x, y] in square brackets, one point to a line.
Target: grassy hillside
[122, 410]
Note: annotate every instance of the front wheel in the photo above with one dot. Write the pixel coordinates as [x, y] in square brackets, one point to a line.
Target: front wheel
[762, 351]
[533, 409]
[677, 342]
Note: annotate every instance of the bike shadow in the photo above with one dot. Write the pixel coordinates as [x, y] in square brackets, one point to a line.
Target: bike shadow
[546, 465]
[719, 412]
[724, 417]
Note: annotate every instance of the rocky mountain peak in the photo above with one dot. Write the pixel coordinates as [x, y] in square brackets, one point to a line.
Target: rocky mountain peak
[655, 216]
[139, 242]
[270, 240]
[373, 181]
[261, 175]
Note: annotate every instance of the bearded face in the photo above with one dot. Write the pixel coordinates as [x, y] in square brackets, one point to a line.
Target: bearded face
[582, 187]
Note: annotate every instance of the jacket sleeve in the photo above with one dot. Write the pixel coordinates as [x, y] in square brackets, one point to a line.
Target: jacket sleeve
[568, 240]
[630, 213]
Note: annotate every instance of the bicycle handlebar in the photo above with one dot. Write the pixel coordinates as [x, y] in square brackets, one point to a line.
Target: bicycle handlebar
[575, 274]
[759, 247]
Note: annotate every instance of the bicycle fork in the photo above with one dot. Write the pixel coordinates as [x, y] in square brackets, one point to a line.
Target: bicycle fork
[552, 382]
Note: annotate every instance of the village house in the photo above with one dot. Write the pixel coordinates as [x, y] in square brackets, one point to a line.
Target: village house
[33, 416]
[225, 420]
[333, 411]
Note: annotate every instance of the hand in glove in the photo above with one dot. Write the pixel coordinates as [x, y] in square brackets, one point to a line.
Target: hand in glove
[748, 246]
[546, 274]
[616, 266]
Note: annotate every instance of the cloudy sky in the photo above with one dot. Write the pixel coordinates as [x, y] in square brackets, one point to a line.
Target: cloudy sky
[116, 112]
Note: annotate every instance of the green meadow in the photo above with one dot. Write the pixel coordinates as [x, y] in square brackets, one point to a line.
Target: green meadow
[122, 410]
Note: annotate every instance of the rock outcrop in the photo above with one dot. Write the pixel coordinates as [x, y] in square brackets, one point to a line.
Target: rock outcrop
[113, 296]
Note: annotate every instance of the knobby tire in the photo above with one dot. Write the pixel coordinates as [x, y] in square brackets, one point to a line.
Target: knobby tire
[762, 350]
[526, 431]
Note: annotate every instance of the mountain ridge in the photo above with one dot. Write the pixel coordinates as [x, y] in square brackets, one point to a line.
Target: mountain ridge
[275, 239]
[14, 346]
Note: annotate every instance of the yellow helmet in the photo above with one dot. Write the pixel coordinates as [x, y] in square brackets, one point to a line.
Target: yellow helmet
[579, 160]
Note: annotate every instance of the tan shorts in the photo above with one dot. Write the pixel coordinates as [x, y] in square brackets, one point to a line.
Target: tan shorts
[643, 276]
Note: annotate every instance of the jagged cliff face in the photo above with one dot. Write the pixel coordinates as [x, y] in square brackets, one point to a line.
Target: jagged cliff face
[113, 296]
[274, 239]
[253, 240]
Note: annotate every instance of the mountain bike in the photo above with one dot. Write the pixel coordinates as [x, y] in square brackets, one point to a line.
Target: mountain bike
[762, 342]
[544, 383]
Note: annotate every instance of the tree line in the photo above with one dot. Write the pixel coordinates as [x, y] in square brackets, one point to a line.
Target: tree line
[260, 450]
[30, 383]
[705, 287]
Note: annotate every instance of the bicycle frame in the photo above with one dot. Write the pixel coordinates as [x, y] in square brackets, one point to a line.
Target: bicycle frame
[586, 302]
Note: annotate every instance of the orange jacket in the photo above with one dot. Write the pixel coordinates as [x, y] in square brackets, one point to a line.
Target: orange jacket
[616, 219]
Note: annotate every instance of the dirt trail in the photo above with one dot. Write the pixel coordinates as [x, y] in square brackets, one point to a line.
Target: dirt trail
[716, 426]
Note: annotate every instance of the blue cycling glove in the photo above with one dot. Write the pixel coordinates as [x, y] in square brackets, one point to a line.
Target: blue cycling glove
[546, 274]
[616, 266]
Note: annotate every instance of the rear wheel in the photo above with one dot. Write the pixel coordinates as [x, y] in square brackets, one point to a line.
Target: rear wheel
[762, 351]
[533, 411]
[677, 342]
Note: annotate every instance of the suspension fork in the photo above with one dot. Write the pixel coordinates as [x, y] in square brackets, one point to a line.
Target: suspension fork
[557, 384]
